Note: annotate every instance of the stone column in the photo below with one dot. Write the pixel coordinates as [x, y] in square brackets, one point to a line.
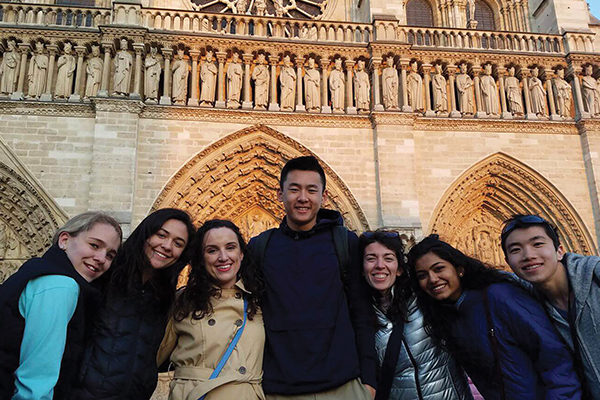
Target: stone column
[476, 85]
[519, 17]
[273, 105]
[137, 76]
[525, 80]
[350, 109]
[579, 110]
[454, 113]
[501, 74]
[24, 48]
[550, 92]
[79, 73]
[221, 57]
[247, 103]
[299, 97]
[427, 75]
[403, 67]
[195, 56]
[52, 50]
[376, 90]
[166, 97]
[103, 92]
[325, 107]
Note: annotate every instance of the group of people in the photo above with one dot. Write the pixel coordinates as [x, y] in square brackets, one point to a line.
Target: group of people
[307, 310]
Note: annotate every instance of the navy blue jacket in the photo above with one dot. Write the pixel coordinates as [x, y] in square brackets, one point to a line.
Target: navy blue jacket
[316, 339]
[535, 363]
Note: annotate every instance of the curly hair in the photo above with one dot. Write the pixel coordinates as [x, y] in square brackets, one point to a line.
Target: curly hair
[131, 261]
[476, 275]
[195, 297]
[402, 288]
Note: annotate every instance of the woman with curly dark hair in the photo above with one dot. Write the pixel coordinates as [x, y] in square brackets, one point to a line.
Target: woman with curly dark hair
[411, 364]
[215, 339]
[500, 335]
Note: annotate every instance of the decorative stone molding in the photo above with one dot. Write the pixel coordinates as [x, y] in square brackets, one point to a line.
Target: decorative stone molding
[118, 105]
[471, 212]
[238, 177]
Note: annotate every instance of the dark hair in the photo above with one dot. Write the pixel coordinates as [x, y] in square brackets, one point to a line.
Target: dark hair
[195, 297]
[305, 163]
[476, 275]
[131, 261]
[522, 221]
[401, 288]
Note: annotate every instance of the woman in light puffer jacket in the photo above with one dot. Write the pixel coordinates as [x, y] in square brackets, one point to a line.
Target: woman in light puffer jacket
[412, 366]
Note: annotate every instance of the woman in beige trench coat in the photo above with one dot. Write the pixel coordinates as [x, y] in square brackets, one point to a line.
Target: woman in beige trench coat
[207, 315]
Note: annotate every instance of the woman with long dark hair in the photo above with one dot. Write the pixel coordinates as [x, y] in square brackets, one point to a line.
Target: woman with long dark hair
[120, 361]
[412, 365]
[500, 335]
[216, 337]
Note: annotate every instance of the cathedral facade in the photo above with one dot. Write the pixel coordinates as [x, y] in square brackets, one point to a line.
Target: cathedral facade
[428, 115]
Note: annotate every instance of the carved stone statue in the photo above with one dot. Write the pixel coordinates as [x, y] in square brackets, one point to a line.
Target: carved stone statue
[590, 89]
[260, 76]
[181, 72]
[261, 7]
[489, 92]
[563, 94]
[122, 62]
[337, 82]
[464, 86]
[471, 4]
[9, 69]
[241, 6]
[440, 93]
[38, 67]
[208, 76]
[389, 80]
[538, 93]
[234, 82]
[513, 93]
[414, 82]
[362, 88]
[287, 78]
[152, 76]
[64, 77]
[279, 10]
[312, 87]
[93, 73]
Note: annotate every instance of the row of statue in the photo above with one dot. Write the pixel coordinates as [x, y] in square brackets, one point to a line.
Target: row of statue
[434, 90]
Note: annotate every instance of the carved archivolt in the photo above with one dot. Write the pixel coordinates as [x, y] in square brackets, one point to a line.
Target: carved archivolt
[27, 222]
[237, 178]
[472, 210]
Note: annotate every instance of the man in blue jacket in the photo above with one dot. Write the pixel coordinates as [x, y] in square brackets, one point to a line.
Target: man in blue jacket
[567, 283]
[318, 321]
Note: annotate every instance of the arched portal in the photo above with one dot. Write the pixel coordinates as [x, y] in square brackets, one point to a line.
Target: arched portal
[472, 210]
[28, 220]
[238, 176]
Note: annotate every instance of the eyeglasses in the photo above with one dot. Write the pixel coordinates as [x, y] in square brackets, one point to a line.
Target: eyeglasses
[526, 219]
[388, 234]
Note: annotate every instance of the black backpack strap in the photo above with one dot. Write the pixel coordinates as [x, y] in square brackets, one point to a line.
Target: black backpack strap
[340, 242]
[493, 342]
[390, 360]
[259, 246]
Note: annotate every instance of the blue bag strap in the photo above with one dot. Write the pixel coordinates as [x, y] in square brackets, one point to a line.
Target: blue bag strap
[230, 348]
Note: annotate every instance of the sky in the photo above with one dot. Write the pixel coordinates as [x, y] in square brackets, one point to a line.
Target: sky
[594, 7]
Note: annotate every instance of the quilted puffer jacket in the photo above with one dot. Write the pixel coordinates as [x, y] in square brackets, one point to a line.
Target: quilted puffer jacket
[424, 371]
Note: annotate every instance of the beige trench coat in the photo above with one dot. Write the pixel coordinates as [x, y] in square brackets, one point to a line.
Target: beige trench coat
[196, 346]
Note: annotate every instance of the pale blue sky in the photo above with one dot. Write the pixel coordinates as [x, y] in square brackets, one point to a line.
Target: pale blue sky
[595, 7]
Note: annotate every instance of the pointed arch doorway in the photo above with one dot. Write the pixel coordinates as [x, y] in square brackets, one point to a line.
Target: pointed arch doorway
[237, 178]
[470, 214]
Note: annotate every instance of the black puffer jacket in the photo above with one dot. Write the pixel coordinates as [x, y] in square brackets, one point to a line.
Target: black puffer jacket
[120, 361]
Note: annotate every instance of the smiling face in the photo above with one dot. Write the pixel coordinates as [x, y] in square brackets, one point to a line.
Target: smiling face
[302, 196]
[222, 256]
[380, 267]
[165, 246]
[438, 277]
[531, 255]
[91, 252]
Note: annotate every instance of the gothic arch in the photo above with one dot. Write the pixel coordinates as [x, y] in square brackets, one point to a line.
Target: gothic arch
[471, 212]
[237, 178]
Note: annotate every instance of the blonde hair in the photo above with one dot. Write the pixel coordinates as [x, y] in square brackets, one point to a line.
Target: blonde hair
[84, 222]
